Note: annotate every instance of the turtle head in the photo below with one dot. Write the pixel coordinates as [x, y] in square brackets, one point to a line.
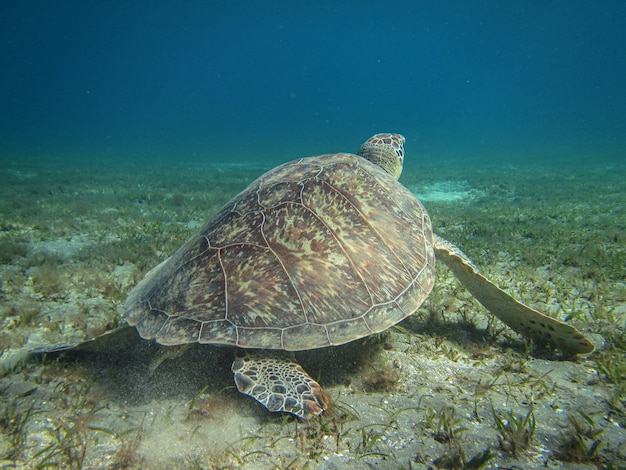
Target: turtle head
[386, 151]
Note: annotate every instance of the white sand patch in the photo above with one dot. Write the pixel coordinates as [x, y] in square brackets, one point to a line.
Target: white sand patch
[446, 191]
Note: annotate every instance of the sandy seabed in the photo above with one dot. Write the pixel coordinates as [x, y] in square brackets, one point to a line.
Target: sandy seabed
[449, 387]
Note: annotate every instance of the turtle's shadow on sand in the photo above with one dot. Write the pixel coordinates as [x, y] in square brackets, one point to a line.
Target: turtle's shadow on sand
[131, 371]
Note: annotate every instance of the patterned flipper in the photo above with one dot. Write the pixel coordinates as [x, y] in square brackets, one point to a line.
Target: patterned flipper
[275, 380]
[523, 319]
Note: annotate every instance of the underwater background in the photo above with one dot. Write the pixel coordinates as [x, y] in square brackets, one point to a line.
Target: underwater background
[241, 80]
[126, 125]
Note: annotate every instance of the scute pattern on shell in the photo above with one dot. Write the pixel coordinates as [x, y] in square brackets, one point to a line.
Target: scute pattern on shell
[317, 252]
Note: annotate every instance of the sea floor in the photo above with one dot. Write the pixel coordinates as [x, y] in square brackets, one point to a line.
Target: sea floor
[447, 388]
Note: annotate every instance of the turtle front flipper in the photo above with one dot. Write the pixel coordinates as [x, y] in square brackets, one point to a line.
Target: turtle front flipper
[275, 380]
[519, 317]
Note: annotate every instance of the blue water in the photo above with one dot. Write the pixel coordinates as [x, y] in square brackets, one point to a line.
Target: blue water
[243, 80]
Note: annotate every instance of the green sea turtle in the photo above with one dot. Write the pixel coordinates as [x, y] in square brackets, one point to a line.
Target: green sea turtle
[317, 252]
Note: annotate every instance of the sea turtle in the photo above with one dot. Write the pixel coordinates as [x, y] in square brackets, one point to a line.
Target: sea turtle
[317, 252]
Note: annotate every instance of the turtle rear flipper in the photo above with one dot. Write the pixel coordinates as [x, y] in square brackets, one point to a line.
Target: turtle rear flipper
[521, 318]
[117, 338]
[275, 380]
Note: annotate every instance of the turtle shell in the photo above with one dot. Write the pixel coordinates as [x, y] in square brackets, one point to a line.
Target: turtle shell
[316, 252]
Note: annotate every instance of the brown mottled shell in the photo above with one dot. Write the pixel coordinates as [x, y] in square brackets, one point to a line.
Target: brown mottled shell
[317, 252]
